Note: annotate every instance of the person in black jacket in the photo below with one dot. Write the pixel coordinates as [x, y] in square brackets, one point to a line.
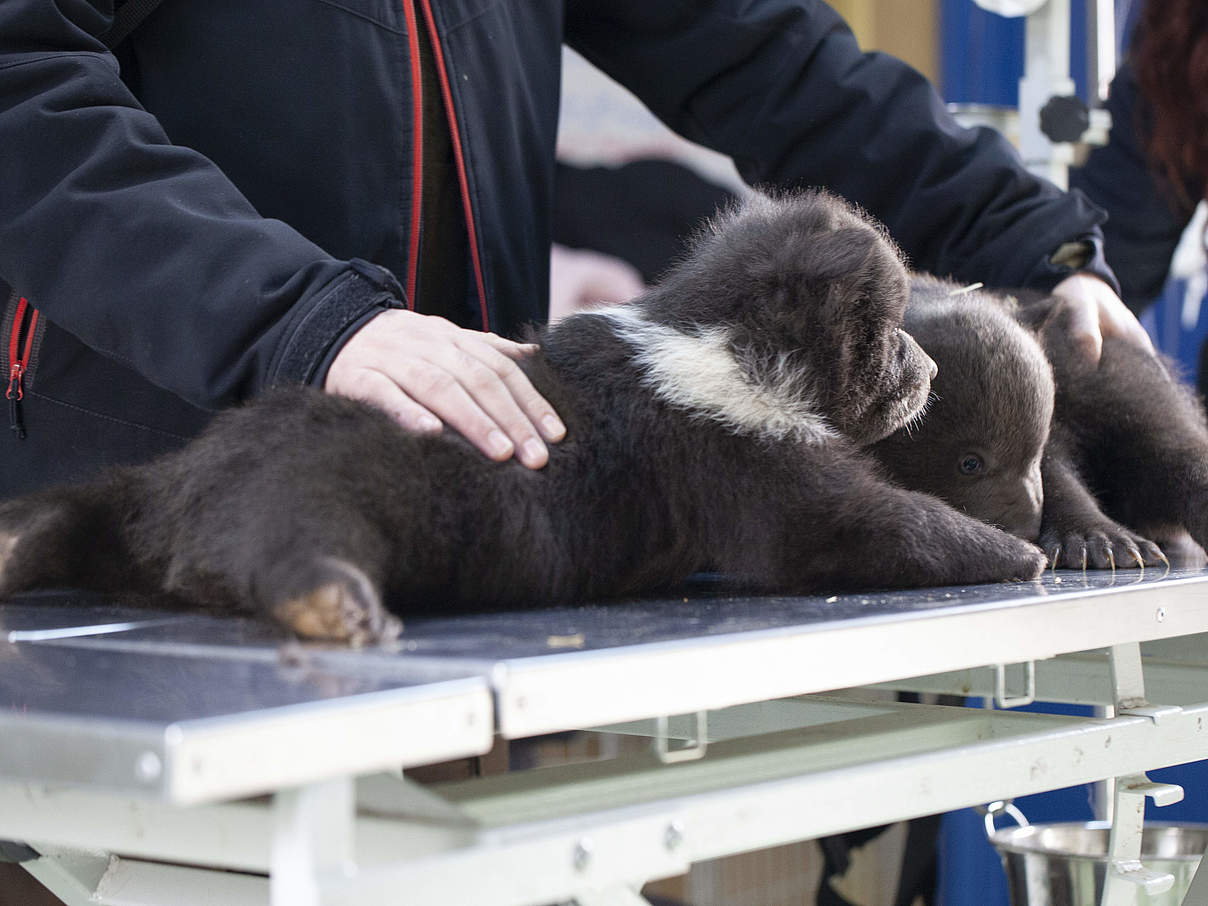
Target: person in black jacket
[357, 195]
[1154, 168]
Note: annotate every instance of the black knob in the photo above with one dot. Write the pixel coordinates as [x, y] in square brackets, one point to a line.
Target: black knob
[1064, 119]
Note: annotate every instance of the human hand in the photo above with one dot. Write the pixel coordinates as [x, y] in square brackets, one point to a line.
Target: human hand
[1091, 310]
[578, 278]
[425, 371]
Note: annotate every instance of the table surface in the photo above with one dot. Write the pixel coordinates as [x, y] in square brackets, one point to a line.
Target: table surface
[191, 707]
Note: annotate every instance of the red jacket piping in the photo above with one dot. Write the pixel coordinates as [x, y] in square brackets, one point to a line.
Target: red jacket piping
[459, 158]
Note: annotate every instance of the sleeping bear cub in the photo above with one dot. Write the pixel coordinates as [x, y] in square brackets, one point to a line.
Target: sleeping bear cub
[716, 422]
[1022, 428]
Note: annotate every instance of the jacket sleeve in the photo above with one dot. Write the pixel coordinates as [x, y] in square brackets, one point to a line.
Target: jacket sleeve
[1145, 216]
[782, 87]
[143, 249]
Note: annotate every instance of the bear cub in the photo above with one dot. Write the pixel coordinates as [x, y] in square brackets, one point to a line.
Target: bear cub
[715, 422]
[1103, 465]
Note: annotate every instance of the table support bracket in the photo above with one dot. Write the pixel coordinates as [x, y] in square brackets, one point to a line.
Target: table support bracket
[1128, 685]
[1126, 876]
[1002, 699]
[312, 839]
[695, 748]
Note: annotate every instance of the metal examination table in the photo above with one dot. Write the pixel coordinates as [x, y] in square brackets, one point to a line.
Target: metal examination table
[154, 757]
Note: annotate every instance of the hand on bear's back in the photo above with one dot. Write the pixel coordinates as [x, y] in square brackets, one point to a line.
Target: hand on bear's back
[1089, 311]
[425, 371]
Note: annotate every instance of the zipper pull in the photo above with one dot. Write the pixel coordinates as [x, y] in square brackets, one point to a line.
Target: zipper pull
[14, 395]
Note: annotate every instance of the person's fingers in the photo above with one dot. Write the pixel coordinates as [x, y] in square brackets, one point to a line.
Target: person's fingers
[537, 411]
[509, 348]
[448, 395]
[1117, 321]
[468, 380]
[1079, 318]
[471, 397]
[1094, 311]
[372, 386]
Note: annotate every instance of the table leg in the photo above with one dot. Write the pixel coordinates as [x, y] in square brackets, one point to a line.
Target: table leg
[312, 837]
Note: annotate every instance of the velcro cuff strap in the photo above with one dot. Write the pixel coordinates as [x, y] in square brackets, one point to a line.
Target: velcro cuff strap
[349, 299]
[1084, 255]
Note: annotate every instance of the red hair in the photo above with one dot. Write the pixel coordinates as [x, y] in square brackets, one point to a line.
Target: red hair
[1170, 58]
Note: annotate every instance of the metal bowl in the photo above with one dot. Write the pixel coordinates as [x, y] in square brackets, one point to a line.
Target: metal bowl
[1065, 864]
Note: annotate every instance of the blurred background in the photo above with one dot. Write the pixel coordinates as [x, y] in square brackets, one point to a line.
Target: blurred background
[975, 59]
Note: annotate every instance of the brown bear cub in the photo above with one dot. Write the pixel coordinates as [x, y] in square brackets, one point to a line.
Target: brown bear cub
[716, 422]
[1021, 428]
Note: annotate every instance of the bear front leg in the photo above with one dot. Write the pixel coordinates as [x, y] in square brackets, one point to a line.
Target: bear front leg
[841, 526]
[911, 539]
[1140, 437]
[1074, 532]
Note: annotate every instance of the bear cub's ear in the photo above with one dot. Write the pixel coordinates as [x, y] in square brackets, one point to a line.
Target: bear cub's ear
[849, 279]
[859, 271]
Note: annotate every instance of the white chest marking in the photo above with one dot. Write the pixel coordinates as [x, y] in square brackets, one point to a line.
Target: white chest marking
[700, 373]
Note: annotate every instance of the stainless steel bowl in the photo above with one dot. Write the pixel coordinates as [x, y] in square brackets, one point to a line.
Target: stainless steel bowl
[1065, 864]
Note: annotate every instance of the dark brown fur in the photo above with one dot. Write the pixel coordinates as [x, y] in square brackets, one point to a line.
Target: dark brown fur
[992, 400]
[311, 508]
[1125, 464]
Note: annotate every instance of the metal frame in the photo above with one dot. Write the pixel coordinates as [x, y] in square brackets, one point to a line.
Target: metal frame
[543, 835]
[1046, 74]
[773, 764]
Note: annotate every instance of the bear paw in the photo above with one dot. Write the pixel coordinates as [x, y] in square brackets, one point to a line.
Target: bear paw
[1103, 547]
[339, 604]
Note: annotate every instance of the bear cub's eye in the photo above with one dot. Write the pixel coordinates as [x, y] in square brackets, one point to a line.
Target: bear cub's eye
[971, 464]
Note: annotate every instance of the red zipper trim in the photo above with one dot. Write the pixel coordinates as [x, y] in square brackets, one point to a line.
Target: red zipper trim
[29, 339]
[451, 115]
[17, 365]
[417, 150]
[15, 337]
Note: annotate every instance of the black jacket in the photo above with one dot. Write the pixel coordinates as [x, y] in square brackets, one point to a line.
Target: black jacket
[197, 225]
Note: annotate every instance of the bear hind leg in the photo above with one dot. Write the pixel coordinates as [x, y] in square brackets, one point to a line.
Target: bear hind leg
[66, 538]
[329, 598]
